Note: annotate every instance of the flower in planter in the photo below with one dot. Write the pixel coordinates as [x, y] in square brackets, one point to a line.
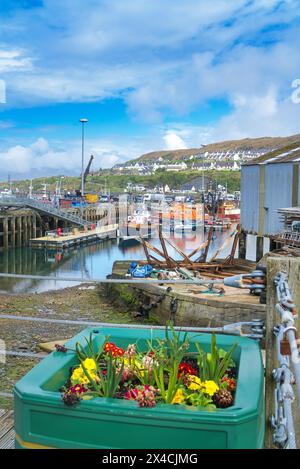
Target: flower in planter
[179, 397]
[78, 389]
[131, 350]
[73, 395]
[229, 383]
[210, 388]
[223, 398]
[164, 371]
[111, 348]
[78, 375]
[146, 398]
[194, 383]
[131, 394]
[108, 347]
[199, 399]
[144, 395]
[186, 369]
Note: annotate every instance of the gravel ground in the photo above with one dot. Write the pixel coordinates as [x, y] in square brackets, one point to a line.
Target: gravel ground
[76, 303]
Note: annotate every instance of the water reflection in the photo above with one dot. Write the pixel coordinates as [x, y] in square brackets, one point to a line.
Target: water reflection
[93, 261]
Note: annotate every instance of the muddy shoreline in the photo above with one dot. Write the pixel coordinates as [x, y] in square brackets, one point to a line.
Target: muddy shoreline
[85, 302]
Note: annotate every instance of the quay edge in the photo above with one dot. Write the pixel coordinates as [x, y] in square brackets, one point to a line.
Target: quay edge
[179, 305]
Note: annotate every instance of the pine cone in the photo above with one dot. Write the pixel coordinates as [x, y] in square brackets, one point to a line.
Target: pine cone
[223, 398]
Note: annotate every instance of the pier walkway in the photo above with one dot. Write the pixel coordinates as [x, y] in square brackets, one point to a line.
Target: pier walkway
[72, 240]
[7, 434]
[43, 207]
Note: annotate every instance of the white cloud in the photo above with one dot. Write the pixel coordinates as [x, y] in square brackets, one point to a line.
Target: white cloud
[14, 60]
[41, 158]
[159, 56]
[163, 58]
[173, 141]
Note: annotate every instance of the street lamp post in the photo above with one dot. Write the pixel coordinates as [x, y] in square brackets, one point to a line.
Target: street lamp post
[203, 182]
[83, 121]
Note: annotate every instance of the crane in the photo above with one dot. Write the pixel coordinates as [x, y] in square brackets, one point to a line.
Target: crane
[87, 170]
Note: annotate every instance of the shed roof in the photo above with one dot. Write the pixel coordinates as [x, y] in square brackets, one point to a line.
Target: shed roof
[285, 154]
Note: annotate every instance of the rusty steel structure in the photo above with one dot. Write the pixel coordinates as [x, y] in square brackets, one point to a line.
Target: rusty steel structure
[200, 264]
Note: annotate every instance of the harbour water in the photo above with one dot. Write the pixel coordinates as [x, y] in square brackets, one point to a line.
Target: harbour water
[89, 262]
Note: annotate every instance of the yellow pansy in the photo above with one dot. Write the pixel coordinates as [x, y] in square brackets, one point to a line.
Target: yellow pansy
[179, 397]
[132, 363]
[194, 383]
[78, 375]
[90, 364]
[210, 387]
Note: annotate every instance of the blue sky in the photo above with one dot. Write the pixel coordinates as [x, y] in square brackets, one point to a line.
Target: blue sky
[164, 74]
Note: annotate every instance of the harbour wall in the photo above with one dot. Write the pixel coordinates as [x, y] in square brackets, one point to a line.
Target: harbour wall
[17, 227]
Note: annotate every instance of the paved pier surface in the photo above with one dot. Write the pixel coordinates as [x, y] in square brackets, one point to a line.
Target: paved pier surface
[69, 240]
[7, 434]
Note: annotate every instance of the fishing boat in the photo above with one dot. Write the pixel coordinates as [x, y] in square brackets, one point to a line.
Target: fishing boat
[229, 210]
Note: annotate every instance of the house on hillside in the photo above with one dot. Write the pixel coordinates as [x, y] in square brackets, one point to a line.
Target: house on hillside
[227, 166]
[196, 185]
[208, 166]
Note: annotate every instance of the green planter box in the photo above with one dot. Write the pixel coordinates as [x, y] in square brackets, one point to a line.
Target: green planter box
[43, 420]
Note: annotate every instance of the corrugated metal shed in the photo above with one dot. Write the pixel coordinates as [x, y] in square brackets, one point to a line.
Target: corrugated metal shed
[269, 183]
[249, 198]
[290, 153]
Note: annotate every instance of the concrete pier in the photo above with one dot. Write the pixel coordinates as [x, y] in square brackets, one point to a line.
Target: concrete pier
[17, 227]
[75, 239]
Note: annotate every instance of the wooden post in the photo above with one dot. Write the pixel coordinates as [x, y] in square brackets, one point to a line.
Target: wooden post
[145, 250]
[259, 247]
[242, 244]
[5, 233]
[292, 267]
[33, 232]
[170, 262]
[13, 231]
[25, 231]
[19, 231]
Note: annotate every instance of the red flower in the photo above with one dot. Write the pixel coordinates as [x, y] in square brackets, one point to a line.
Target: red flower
[109, 347]
[131, 395]
[186, 369]
[115, 351]
[77, 389]
[119, 352]
[230, 382]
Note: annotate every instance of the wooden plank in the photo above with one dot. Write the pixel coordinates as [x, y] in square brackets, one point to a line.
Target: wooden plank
[199, 248]
[7, 433]
[203, 258]
[154, 249]
[8, 441]
[145, 249]
[185, 257]
[170, 262]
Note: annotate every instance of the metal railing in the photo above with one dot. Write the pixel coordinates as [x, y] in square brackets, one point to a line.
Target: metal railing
[48, 208]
